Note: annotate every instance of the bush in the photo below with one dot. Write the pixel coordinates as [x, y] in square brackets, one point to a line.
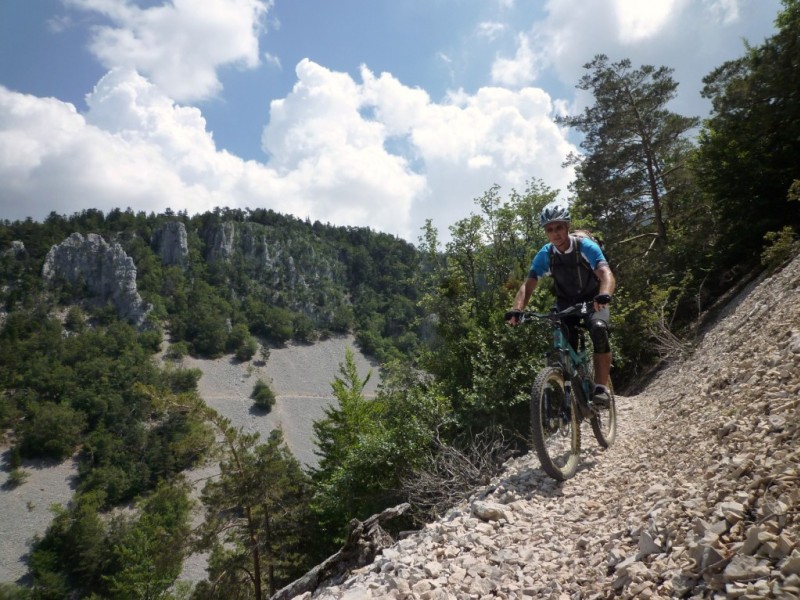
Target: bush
[781, 246]
[241, 343]
[263, 395]
[75, 320]
[247, 349]
[15, 479]
[52, 431]
[151, 340]
[177, 351]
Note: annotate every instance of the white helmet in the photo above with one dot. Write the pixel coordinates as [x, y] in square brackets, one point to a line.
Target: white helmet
[555, 211]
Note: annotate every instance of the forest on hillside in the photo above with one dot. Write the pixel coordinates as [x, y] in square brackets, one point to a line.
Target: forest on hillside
[690, 210]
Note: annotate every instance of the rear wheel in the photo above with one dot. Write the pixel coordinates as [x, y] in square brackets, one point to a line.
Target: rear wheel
[555, 431]
[604, 422]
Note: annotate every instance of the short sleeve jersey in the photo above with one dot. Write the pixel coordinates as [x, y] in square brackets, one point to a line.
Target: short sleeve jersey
[540, 266]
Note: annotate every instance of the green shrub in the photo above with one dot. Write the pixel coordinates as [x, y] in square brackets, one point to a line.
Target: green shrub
[151, 340]
[247, 349]
[75, 320]
[16, 478]
[782, 246]
[263, 395]
[52, 431]
[177, 351]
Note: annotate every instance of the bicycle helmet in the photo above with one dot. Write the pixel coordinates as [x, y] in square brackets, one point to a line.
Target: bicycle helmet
[555, 211]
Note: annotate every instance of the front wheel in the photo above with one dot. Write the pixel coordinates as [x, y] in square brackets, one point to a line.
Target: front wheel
[555, 430]
[604, 421]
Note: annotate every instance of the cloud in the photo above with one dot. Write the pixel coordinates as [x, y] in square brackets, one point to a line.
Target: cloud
[371, 153]
[520, 70]
[693, 38]
[179, 45]
[490, 29]
[273, 60]
[637, 21]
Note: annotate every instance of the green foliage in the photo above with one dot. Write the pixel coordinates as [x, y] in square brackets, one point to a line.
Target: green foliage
[468, 292]
[263, 396]
[241, 343]
[123, 557]
[749, 146]
[9, 591]
[75, 320]
[257, 518]
[782, 245]
[51, 431]
[629, 169]
[177, 351]
[16, 477]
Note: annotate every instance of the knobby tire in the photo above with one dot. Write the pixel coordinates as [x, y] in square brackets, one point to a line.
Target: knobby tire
[604, 423]
[557, 443]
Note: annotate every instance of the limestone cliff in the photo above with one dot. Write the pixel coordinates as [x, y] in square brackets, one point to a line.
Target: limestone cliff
[299, 272]
[106, 271]
[171, 244]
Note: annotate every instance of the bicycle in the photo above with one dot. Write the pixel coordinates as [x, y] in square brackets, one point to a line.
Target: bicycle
[562, 397]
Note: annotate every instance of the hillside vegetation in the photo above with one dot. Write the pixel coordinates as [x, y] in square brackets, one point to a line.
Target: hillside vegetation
[688, 221]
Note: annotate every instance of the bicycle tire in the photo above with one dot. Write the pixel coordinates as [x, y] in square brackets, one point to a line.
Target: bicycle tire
[555, 437]
[604, 423]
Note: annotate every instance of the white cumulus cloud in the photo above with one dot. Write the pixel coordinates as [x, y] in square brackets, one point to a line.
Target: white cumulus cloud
[178, 45]
[371, 153]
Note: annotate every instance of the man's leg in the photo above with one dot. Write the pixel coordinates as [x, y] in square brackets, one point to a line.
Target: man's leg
[602, 356]
[602, 368]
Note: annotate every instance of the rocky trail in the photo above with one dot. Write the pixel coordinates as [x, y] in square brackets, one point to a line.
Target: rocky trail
[698, 498]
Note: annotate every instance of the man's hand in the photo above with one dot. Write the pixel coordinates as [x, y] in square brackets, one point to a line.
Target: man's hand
[513, 316]
[601, 301]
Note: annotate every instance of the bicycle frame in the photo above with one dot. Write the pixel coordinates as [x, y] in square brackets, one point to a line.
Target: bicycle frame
[570, 359]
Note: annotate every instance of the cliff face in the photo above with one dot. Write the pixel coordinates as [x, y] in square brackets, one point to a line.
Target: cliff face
[171, 244]
[266, 251]
[698, 497]
[297, 272]
[106, 271]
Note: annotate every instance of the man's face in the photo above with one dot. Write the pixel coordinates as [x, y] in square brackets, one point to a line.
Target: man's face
[558, 233]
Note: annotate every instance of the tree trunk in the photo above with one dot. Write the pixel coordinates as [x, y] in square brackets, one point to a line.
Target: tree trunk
[364, 541]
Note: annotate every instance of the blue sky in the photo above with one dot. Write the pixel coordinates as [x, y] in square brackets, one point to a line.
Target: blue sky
[354, 112]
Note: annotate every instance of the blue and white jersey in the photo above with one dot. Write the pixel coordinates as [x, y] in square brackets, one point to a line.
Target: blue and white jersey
[591, 252]
[574, 275]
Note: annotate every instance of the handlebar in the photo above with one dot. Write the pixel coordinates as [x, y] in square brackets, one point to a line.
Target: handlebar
[581, 308]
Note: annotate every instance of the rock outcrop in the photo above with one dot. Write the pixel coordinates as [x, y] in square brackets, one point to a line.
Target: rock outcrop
[106, 271]
[171, 244]
[698, 498]
[17, 250]
[271, 254]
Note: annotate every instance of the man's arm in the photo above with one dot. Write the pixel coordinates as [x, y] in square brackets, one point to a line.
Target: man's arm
[522, 297]
[607, 284]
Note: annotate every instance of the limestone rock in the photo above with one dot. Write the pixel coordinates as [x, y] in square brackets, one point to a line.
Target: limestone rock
[108, 273]
[170, 242]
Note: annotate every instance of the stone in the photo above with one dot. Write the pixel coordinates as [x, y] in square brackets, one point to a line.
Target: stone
[171, 244]
[108, 273]
[489, 511]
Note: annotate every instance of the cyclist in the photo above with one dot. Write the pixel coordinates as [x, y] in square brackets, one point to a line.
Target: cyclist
[581, 273]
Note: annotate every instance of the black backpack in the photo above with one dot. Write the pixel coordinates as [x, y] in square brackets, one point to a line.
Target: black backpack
[583, 266]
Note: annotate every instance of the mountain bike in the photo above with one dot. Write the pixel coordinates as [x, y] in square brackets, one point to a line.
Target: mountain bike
[562, 397]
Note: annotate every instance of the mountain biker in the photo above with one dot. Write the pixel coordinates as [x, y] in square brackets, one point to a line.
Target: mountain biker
[581, 274]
